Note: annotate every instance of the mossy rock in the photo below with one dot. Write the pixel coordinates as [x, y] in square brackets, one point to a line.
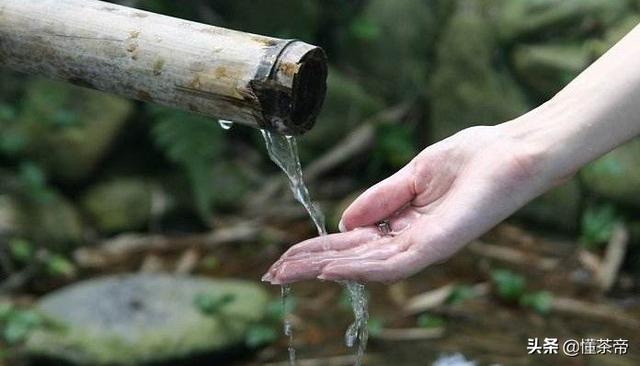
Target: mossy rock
[469, 85]
[69, 129]
[392, 42]
[547, 68]
[616, 175]
[558, 208]
[143, 319]
[120, 204]
[569, 19]
[8, 213]
[52, 221]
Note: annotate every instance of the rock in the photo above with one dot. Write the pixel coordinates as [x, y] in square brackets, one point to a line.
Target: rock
[616, 175]
[466, 87]
[548, 68]
[8, 213]
[121, 204]
[143, 318]
[539, 19]
[392, 44]
[68, 129]
[53, 221]
[559, 208]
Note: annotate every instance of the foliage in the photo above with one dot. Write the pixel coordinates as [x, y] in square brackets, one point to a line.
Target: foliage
[16, 323]
[212, 304]
[598, 222]
[460, 294]
[539, 301]
[509, 286]
[260, 334]
[395, 145]
[34, 183]
[194, 143]
[374, 326]
[427, 320]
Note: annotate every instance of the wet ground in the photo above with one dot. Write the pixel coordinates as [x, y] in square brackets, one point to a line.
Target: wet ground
[484, 328]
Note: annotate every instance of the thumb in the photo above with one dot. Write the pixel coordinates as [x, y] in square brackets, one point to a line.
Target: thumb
[380, 201]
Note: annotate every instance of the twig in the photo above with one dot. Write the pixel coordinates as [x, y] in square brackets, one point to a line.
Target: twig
[187, 262]
[593, 310]
[511, 255]
[428, 300]
[125, 245]
[613, 257]
[356, 142]
[435, 298]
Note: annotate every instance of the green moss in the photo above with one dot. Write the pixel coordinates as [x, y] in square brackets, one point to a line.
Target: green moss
[173, 327]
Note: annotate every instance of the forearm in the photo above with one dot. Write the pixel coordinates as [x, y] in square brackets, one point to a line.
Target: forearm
[598, 111]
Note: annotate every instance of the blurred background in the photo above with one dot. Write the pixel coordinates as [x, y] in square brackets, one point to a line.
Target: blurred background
[93, 186]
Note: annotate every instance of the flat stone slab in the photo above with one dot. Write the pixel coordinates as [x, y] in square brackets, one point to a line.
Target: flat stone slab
[144, 318]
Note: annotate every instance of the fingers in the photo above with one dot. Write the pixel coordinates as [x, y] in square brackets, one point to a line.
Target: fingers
[339, 241]
[390, 270]
[380, 201]
[303, 265]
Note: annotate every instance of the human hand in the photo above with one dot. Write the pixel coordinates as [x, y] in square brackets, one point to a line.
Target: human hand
[451, 193]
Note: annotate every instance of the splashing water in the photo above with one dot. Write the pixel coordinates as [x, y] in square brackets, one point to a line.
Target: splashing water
[283, 150]
[287, 329]
[225, 124]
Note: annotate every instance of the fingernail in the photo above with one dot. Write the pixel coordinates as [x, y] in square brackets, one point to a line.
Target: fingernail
[341, 227]
[268, 277]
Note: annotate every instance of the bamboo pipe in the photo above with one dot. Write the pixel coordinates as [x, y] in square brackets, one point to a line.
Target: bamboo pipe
[254, 80]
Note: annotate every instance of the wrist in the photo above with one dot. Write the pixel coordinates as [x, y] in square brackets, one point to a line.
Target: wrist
[544, 136]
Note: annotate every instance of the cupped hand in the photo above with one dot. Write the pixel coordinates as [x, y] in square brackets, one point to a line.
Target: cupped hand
[449, 194]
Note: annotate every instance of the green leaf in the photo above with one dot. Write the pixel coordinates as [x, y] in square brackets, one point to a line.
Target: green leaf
[539, 301]
[21, 250]
[259, 335]
[430, 321]
[193, 142]
[6, 309]
[395, 144]
[374, 326]
[34, 182]
[363, 28]
[58, 265]
[18, 324]
[509, 285]
[212, 304]
[460, 294]
[598, 222]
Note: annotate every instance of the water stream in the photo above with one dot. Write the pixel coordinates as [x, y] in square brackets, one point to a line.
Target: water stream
[283, 150]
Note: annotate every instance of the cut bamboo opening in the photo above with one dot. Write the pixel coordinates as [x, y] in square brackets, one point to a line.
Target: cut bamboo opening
[254, 80]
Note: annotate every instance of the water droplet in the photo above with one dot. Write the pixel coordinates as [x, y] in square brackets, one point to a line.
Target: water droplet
[225, 124]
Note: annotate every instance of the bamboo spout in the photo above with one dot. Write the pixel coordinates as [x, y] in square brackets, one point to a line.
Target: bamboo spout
[253, 80]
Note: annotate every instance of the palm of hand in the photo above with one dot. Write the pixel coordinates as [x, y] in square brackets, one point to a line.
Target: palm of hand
[451, 193]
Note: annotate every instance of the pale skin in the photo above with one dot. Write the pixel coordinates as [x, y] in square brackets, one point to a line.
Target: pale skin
[459, 188]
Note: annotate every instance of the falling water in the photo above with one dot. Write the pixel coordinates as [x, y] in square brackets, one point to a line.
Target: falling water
[283, 150]
[225, 124]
